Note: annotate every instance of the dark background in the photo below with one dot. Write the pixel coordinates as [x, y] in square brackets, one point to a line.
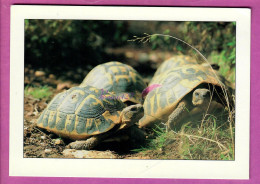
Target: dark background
[69, 49]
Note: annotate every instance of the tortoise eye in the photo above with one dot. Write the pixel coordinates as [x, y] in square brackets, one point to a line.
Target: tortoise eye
[196, 94]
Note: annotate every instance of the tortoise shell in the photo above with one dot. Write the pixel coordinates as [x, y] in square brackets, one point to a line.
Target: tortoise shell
[171, 87]
[81, 112]
[173, 62]
[118, 78]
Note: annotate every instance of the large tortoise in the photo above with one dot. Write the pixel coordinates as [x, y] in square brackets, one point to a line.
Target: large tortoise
[182, 92]
[118, 78]
[89, 115]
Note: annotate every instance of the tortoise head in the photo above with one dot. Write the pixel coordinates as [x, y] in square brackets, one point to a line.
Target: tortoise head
[201, 97]
[131, 114]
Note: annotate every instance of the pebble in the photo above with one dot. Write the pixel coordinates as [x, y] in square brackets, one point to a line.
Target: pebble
[43, 137]
[47, 150]
[58, 141]
[72, 153]
[39, 74]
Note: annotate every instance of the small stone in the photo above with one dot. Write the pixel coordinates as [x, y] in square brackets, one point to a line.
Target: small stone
[72, 153]
[39, 74]
[43, 137]
[47, 150]
[58, 141]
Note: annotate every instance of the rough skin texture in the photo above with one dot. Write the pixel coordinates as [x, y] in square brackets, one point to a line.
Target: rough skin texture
[202, 102]
[87, 144]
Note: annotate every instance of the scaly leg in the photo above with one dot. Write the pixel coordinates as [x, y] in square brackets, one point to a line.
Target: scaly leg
[88, 144]
[84, 144]
[177, 115]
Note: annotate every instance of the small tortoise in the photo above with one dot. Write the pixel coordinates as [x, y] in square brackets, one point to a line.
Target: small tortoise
[89, 115]
[118, 78]
[182, 92]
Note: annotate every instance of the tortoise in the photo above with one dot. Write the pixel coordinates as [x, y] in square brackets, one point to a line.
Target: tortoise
[118, 78]
[88, 115]
[180, 93]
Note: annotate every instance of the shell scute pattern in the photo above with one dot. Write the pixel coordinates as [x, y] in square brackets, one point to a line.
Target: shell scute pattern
[60, 123]
[118, 78]
[81, 124]
[85, 114]
[52, 119]
[90, 107]
[70, 122]
[175, 84]
[111, 105]
[57, 100]
[45, 118]
[162, 100]
[72, 101]
[173, 62]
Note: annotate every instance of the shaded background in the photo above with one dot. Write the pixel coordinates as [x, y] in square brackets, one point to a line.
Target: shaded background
[69, 49]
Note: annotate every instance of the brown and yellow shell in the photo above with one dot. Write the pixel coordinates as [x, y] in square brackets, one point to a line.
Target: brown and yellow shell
[81, 112]
[174, 85]
[118, 78]
[173, 62]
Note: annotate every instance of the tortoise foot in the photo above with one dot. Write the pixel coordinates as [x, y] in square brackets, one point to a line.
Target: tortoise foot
[83, 145]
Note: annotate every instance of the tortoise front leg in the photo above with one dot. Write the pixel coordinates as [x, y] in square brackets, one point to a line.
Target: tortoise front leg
[177, 115]
[88, 144]
[84, 144]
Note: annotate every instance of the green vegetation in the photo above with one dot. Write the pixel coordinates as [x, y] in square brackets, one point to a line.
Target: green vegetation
[226, 69]
[61, 45]
[210, 139]
[38, 92]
